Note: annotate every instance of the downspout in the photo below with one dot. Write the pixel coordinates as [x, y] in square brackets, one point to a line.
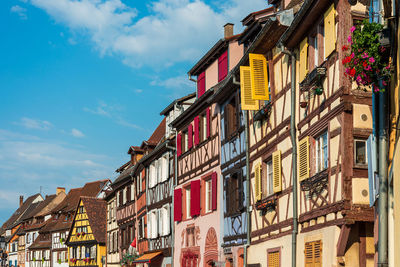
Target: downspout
[246, 125]
[383, 181]
[172, 222]
[294, 151]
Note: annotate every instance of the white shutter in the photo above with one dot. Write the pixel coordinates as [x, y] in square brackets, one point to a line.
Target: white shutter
[165, 167]
[160, 222]
[149, 225]
[167, 220]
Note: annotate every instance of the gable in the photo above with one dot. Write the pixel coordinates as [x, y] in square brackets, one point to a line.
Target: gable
[81, 231]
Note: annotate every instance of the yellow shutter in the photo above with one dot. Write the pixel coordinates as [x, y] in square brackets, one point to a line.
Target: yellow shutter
[304, 158]
[259, 77]
[329, 31]
[303, 59]
[274, 259]
[317, 253]
[257, 182]
[247, 101]
[277, 171]
[308, 254]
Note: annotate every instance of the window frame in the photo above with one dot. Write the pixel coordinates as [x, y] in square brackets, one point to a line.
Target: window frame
[187, 202]
[267, 178]
[274, 250]
[319, 152]
[355, 152]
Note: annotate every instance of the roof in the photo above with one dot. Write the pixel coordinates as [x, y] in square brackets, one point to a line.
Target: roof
[177, 101]
[123, 167]
[158, 134]
[311, 9]
[96, 210]
[252, 16]
[123, 175]
[15, 217]
[70, 202]
[212, 54]
[41, 242]
[30, 211]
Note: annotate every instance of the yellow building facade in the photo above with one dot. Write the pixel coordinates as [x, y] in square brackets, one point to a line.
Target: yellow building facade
[86, 241]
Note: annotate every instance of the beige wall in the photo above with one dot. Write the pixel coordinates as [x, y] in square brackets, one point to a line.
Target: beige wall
[235, 54]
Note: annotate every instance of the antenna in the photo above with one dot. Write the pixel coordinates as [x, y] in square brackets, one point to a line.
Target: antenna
[40, 189]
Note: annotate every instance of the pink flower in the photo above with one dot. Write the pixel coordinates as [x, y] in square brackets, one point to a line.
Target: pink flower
[365, 55]
[353, 29]
[368, 67]
[384, 83]
[371, 60]
[349, 39]
[359, 79]
[352, 55]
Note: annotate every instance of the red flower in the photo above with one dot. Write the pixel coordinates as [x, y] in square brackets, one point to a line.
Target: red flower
[365, 64]
[352, 72]
[345, 48]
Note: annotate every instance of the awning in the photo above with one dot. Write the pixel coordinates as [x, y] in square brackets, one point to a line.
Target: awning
[147, 257]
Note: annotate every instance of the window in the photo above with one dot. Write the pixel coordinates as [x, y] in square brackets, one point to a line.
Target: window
[274, 258]
[321, 152]
[234, 194]
[360, 152]
[267, 179]
[208, 194]
[190, 238]
[128, 194]
[203, 127]
[312, 254]
[120, 198]
[184, 141]
[187, 195]
[230, 118]
[165, 214]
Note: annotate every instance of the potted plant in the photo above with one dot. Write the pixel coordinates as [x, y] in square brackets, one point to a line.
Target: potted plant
[43, 259]
[59, 261]
[78, 234]
[34, 259]
[62, 240]
[83, 234]
[365, 61]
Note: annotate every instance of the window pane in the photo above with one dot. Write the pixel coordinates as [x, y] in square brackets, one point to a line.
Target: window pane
[360, 152]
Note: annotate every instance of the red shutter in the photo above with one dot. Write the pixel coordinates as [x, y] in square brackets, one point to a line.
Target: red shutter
[190, 136]
[201, 84]
[208, 122]
[196, 131]
[222, 66]
[179, 144]
[195, 198]
[214, 190]
[178, 205]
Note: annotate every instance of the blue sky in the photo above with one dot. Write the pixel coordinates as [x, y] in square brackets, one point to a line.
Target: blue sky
[82, 80]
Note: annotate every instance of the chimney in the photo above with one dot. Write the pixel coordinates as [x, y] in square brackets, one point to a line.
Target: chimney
[21, 201]
[60, 189]
[228, 30]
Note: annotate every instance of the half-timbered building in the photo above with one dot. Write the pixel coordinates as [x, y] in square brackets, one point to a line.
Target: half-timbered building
[197, 194]
[86, 240]
[112, 258]
[332, 123]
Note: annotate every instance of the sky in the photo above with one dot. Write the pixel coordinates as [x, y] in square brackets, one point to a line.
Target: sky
[82, 80]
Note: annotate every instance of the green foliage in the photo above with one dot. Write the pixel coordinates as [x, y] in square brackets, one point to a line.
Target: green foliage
[365, 63]
[128, 258]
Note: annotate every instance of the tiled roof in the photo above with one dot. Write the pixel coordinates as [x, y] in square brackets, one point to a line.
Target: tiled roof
[69, 201]
[96, 210]
[41, 242]
[15, 218]
[30, 211]
[158, 133]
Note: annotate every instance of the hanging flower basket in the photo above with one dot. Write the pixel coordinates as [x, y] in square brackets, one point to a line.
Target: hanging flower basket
[83, 234]
[59, 261]
[43, 259]
[62, 240]
[78, 234]
[34, 259]
[365, 59]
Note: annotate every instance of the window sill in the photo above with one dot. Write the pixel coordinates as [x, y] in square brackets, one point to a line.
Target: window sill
[360, 166]
[268, 203]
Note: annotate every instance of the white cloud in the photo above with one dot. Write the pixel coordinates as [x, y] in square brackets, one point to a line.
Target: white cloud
[173, 31]
[36, 124]
[113, 112]
[77, 133]
[176, 86]
[138, 91]
[20, 11]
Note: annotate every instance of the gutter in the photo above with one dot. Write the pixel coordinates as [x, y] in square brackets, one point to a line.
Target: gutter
[294, 151]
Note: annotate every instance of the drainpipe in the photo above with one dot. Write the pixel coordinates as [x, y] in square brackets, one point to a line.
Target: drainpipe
[172, 222]
[294, 151]
[246, 125]
[383, 179]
